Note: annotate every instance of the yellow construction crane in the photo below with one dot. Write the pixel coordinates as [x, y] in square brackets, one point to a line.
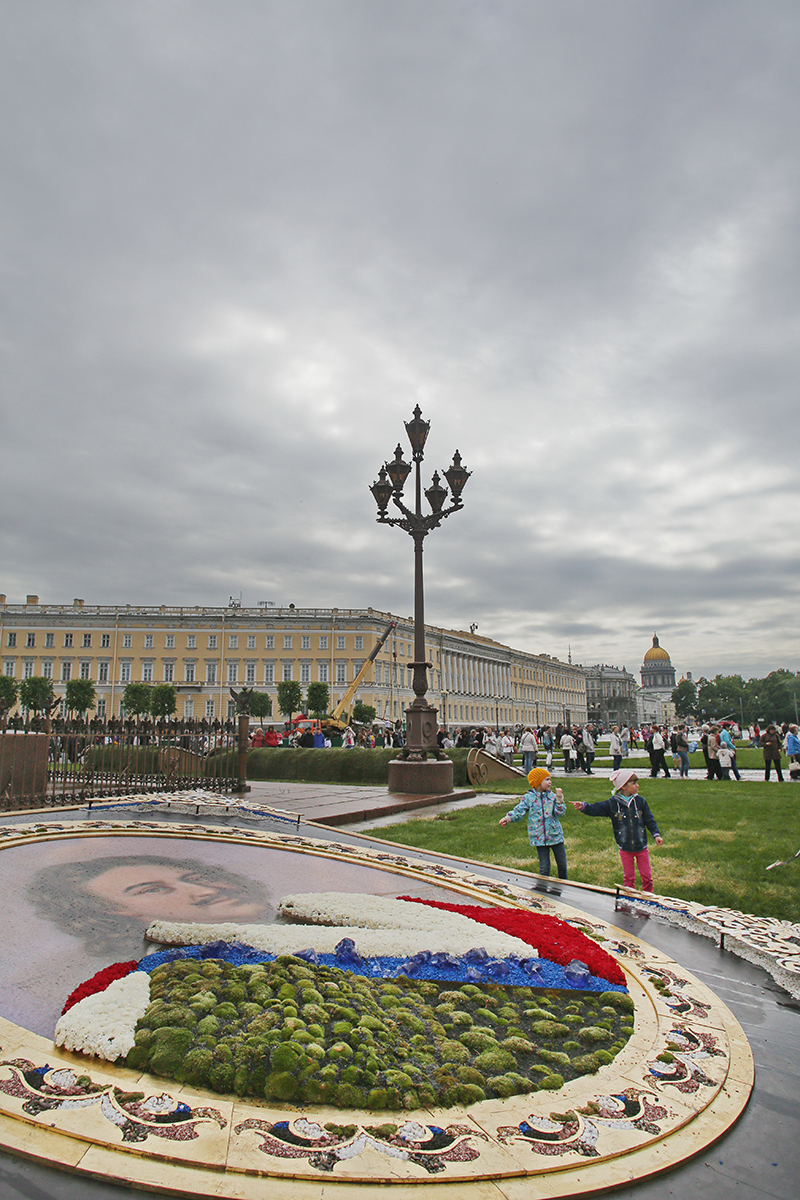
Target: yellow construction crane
[334, 722]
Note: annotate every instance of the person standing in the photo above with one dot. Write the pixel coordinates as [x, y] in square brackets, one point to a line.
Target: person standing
[793, 747]
[771, 749]
[588, 749]
[615, 748]
[507, 747]
[658, 761]
[567, 744]
[714, 769]
[543, 807]
[625, 737]
[630, 820]
[726, 742]
[529, 747]
[682, 750]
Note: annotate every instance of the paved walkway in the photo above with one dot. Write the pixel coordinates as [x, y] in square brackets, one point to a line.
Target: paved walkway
[342, 805]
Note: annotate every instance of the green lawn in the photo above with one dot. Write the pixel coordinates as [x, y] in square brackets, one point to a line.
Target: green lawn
[719, 838]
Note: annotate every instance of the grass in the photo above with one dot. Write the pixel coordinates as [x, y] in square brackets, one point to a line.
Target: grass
[719, 838]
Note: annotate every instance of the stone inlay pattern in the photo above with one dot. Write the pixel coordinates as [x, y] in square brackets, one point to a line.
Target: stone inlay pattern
[683, 1078]
[765, 941]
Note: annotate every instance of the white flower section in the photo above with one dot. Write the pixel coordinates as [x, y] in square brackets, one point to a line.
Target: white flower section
[378, 927]
[104, 1024]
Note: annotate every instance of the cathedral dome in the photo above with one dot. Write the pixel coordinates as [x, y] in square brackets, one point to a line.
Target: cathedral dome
[656, 653]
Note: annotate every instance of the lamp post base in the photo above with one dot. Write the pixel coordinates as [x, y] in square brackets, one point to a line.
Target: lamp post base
[431, 777]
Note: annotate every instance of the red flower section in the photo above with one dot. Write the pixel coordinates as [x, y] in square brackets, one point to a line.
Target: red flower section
[99, 982]
[554, 939]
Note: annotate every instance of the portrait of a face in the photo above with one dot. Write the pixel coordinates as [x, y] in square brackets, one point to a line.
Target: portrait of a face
[74, 905]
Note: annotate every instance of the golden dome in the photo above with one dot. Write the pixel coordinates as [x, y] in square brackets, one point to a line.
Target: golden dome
[656, 653]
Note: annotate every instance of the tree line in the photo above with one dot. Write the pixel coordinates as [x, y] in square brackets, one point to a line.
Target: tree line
[773, 698]
[160, 700]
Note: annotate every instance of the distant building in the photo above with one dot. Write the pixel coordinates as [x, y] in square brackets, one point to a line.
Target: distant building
[610, 695]
[654, 698]
[472, 680]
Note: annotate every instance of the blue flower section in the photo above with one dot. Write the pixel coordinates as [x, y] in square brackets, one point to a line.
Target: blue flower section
[475, 967]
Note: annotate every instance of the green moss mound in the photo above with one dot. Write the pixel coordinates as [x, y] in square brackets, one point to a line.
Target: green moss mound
[291, 1033]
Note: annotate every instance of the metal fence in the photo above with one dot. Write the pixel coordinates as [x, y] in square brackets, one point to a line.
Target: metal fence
[59, 761]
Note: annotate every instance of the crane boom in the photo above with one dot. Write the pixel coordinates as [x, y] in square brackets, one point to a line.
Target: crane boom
[334, 721]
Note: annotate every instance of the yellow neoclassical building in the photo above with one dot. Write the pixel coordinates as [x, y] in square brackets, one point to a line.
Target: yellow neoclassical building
[206, 651]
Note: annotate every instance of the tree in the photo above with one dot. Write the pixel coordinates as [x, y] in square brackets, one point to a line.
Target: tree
[163, 700]
[318, 698]
[260, 705]
[776, 696]
[720, 697]
[363, 714]
[290, 697]
[9, 690]
[137, 698]
[37, 694]
[80, 695]
[684, 697]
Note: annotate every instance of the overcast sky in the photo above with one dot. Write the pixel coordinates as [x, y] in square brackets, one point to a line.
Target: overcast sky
[241, 239]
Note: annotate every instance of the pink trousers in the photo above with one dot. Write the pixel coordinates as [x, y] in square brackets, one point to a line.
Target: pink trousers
[641, 859]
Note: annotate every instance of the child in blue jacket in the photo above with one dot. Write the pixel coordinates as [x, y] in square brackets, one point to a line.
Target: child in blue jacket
[630, 820]
[543, 807]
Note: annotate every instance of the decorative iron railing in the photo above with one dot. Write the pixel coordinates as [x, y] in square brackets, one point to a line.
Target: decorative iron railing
[68, 761]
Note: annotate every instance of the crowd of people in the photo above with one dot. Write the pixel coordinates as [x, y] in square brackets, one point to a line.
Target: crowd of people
[664, 745]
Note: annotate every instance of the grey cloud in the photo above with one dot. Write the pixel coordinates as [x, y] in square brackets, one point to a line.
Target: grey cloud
[239, 244]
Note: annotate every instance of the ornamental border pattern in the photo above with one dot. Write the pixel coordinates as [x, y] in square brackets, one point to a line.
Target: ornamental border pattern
[683, 1078]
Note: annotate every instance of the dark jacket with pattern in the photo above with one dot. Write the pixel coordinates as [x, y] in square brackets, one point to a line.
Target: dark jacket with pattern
[630, 821]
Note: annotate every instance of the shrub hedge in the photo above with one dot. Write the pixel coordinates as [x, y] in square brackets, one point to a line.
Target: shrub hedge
[336, 766]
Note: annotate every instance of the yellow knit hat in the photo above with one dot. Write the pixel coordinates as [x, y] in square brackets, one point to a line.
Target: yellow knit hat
[536, 776]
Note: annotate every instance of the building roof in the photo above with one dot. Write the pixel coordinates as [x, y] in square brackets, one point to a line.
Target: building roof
[656, 653]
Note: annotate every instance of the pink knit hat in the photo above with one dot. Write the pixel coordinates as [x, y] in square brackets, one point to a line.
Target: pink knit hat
[621, 777]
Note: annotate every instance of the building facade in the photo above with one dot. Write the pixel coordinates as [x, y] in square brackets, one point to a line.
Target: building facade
[204, 652]
[610, 695]
[654, 699]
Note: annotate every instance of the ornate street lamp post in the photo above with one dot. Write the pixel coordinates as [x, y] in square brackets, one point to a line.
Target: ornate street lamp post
[416, 771]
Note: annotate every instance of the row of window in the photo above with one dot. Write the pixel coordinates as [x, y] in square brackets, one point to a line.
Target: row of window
[189, 672]
[191, 641]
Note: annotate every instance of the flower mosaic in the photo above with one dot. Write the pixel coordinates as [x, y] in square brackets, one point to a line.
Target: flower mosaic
[430, 1147]
[579, 1130]
[678, 1082]
[137, 1116]
[767, 942]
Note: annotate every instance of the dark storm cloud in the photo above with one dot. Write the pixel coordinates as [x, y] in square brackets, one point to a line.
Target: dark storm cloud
[239, 243]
